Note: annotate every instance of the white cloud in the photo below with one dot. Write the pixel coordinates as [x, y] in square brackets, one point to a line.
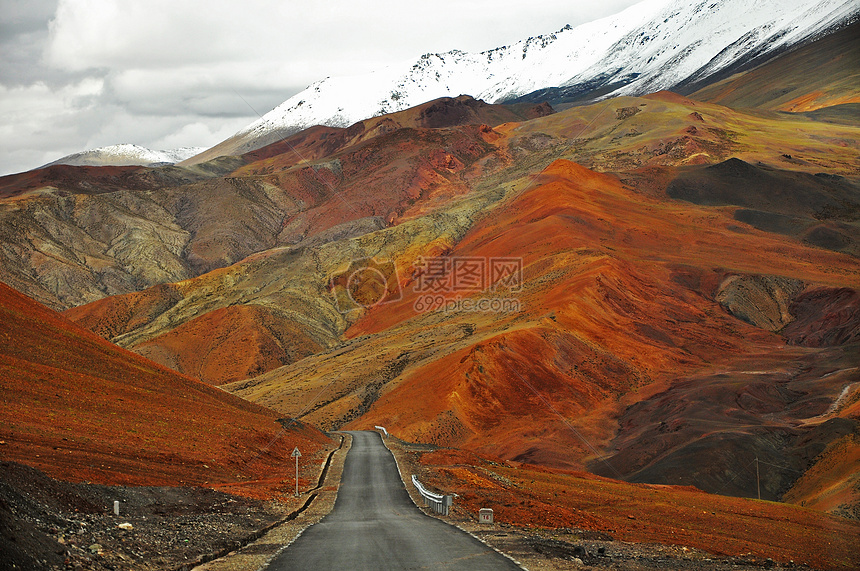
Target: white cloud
[201, 133]
[37, 121]
[339, 34]
[163, 132]
[150, 34]
[37, 110]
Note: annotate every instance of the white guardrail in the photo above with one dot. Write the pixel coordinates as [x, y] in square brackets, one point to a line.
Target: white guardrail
[437, 502]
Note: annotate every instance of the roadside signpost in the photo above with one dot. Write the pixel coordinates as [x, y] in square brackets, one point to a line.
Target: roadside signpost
[297, 455]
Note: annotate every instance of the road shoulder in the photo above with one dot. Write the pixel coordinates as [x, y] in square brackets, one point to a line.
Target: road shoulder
[258, 554]
[557, 549]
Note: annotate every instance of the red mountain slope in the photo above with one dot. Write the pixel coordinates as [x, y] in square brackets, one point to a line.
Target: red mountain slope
[80, 408]
[669, 515]
[619, 303]
[318, 141]
[230, 344]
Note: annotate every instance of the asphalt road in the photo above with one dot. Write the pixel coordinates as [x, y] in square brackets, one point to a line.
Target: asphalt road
[375, 526]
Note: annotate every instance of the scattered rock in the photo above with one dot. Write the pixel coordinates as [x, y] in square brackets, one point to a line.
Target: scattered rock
[626, 112]
[762, 301]
[66, 524]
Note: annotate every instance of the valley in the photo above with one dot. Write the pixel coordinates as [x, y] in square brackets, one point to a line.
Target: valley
[627, 319]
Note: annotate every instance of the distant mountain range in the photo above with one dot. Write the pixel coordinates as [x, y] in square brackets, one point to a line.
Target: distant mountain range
[651, 46]
[127, 154]
[654, 45]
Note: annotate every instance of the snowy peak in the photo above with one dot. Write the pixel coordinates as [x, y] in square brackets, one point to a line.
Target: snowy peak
[684, 40]
[127, 154]
[651, 46]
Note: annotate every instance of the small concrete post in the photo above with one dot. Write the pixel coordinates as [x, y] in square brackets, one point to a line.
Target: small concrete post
[447, 502]
[296, 454]
[757, 479]
[116, 507]
[485, 515]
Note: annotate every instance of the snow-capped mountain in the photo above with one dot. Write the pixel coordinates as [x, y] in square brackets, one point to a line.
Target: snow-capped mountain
[653, 45]
[121, 155]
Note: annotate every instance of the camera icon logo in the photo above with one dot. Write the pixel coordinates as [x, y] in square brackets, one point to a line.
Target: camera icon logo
[367, 282]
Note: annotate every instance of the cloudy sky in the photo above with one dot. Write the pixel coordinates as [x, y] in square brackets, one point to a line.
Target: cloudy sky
[80, 74]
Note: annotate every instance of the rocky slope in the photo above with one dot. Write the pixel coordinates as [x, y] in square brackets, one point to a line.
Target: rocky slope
[604, 523]
[430, 186]
[48, 524]
[621, 313]
[432, 113]
[76, 234]
[608, 314]
[641, 284]
[828, 67]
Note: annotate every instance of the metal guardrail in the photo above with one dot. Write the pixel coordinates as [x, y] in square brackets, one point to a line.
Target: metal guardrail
[437, 502]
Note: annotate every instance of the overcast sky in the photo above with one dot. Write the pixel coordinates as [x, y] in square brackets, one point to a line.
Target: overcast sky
[80, 74]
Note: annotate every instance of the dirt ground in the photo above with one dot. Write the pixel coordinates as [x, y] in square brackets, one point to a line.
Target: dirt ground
[539, 548]
[550, 550]
[52, 525]
[49, 524]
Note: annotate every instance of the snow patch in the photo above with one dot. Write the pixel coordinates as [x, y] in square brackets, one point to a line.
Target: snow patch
[650, 46]
[127, 154]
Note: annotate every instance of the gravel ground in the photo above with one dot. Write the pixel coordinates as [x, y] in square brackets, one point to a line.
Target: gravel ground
[53, 525]
[49, 524]
[257, 554]
[558, 549]
[546, 550]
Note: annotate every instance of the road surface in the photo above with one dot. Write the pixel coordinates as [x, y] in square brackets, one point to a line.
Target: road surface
[375, 526]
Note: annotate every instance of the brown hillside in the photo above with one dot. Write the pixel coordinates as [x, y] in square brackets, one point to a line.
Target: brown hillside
[604, 313]
[669, 515]
[821, 74]
[316, 141]
[81, 409]
[230, 344]
[634, 291]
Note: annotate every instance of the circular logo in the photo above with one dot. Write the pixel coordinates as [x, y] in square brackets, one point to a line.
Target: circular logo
[367, 286]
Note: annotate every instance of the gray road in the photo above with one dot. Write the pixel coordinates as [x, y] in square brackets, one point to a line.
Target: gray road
[375, 526]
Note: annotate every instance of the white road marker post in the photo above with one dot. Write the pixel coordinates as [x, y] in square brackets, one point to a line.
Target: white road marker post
[297, 455]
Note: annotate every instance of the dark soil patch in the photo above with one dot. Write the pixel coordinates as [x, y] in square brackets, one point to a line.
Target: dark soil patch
[50, 524]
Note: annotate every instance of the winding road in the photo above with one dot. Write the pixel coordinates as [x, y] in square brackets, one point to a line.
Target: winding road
[375, 526]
